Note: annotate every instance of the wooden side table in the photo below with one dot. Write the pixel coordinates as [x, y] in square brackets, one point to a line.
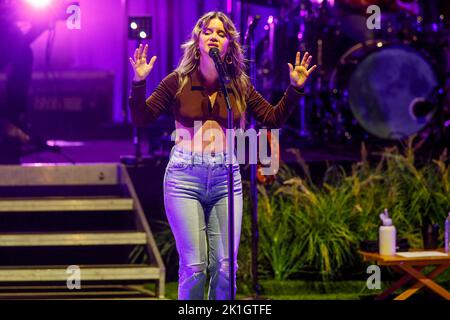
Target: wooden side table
[411, 267]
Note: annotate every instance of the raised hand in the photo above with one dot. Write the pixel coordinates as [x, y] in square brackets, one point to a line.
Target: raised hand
[300, 73]
[140, 66]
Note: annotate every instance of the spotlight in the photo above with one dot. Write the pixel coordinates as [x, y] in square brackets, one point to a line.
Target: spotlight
[139, 28]
[39, 4]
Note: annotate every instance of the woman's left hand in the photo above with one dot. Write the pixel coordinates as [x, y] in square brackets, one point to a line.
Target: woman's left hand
[300, 73]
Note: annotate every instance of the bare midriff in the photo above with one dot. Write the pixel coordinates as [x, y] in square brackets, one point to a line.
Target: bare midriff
[208, 138]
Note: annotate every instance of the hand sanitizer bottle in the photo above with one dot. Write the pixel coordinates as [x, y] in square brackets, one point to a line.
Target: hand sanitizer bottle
[387, 235]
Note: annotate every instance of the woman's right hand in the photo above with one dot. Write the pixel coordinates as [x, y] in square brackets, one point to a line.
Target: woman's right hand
[140, 66]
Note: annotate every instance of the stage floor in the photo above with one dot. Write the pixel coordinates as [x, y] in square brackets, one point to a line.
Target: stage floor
[91, 151]
[111, 151]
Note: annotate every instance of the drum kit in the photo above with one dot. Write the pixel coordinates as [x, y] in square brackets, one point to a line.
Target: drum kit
[385, 83]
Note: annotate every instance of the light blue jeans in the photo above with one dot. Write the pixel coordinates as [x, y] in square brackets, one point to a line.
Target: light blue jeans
[196, 203]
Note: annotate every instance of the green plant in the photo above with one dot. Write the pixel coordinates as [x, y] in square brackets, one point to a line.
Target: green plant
[307, 228]
[316, 227]
[166, 244]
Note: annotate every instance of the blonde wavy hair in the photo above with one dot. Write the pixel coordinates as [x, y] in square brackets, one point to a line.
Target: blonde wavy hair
[236, 69]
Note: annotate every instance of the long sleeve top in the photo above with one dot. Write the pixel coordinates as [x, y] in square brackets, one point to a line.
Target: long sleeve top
[193, 104]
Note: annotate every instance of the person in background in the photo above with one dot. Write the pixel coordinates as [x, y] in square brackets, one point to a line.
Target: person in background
[16, 59]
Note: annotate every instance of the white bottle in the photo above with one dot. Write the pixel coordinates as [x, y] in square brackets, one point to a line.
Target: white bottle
[387, 236]
[446, 233]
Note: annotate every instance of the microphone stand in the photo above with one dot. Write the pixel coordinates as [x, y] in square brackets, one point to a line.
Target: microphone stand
[250, 41]
[230, 180]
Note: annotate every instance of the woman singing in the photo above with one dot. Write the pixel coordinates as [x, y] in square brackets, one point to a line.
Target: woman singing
[195, 182]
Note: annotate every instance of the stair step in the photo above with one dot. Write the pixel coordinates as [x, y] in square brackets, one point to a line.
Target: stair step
[67, 294]
[60, 175]
[43, 205]
[23, 290]
[89, 216]
[73, 239]
[87, 273]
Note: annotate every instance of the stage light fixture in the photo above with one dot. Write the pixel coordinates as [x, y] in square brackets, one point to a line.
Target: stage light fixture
[139, 27]
[40, 4]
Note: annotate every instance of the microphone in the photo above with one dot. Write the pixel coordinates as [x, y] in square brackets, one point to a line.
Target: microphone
[223, 74]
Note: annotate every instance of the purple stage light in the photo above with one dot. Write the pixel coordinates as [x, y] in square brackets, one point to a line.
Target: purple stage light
[319, 2]
[435, 27]
[40, 4]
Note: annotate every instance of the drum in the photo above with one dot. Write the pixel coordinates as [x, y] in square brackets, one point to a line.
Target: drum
[388, 88]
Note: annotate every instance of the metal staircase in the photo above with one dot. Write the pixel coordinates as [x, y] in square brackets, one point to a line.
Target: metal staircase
[89, 216]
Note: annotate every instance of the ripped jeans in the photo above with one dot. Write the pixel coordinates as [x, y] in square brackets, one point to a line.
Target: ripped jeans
[196, 204]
